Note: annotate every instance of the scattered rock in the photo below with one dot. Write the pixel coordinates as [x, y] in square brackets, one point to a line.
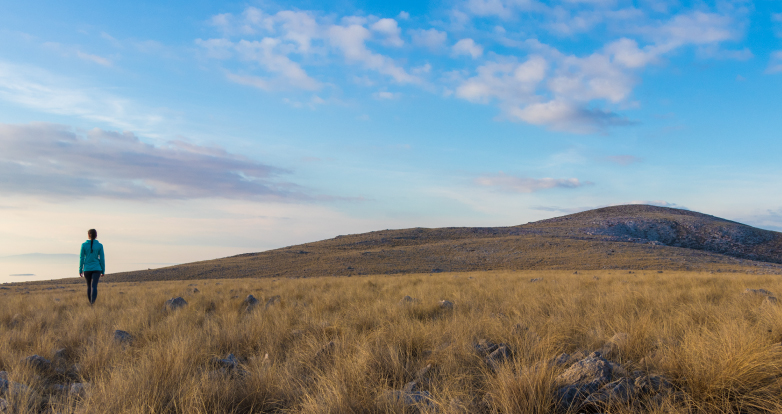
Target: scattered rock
[537, 279]
[772, 300]
[499, 355]
[230, 362]
[652, 385]
[446, 304]
[249, 303]
[595, 277]
[79, 389]
[122, 337]
[407, 300]
[61, 353]
[4, 408]
[762, 292]
[38, 363]
[562, 359]
[175, 303]
[484, 347]
[621, 391]
[193, 290]
[274, 300]
[582, 379]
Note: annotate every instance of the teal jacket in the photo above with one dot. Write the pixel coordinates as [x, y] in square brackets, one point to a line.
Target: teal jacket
[92, 258]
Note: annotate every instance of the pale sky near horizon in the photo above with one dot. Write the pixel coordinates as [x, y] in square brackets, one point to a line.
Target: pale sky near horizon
[191, 130]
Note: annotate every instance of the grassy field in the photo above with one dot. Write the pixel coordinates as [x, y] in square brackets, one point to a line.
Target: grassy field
[344, 345]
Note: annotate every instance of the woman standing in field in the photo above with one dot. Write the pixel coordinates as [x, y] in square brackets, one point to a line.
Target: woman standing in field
[92, 264]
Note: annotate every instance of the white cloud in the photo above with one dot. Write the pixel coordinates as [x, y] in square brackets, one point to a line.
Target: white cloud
[431, 38]
[390, 29]
[253, 81]
[216, 48]
[384, 95]
[265, 52]
[283, 43]
[775, 63]
[298, 27]
[403, 15]
[696, 28]
[93, 58]
[500, 8]
[517, 184]
[468, 47]
[351, 40]
[510, 83]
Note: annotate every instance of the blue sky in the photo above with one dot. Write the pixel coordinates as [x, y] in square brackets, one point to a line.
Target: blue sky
[194, 130]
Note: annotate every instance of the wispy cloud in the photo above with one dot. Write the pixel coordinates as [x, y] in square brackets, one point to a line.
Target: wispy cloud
[775, 63]
[58, 161]
[41, 90]
[516, 184]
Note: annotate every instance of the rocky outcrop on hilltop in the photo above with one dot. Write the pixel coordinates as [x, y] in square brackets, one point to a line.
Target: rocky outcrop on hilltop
[680, 228]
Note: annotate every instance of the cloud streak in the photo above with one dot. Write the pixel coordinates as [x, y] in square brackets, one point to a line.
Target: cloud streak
[516, 184]
[58, 161]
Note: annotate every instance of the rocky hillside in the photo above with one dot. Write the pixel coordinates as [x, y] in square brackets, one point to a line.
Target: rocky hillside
[668, 227]
[621, 237]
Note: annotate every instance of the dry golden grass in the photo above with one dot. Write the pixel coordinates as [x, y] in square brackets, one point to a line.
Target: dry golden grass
[720, 348]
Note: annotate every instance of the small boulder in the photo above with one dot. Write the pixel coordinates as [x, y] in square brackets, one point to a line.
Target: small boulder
[446, 305]
[79, 389]
[61, 354]
[484, 347]
[652, 385]
[175, 303]
[582, 379]
[4, 407]
[274, 300]
[230, 362]
[761, 292]
[249, 303]
[193, 290]
[621, 391]
[537, 279]
[408, 300]
[499, 355]
[38, 363]
[122, 337]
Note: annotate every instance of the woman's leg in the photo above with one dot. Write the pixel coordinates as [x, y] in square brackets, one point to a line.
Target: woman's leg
[95, 279]
[88, 278]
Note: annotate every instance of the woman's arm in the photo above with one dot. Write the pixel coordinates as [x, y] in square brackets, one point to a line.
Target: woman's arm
[81, 260]
[103, 260]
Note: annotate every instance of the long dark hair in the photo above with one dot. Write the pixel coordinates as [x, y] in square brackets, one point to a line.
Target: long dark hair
[93, 234]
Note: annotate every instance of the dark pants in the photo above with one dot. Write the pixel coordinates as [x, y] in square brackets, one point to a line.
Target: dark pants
[92, 277]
